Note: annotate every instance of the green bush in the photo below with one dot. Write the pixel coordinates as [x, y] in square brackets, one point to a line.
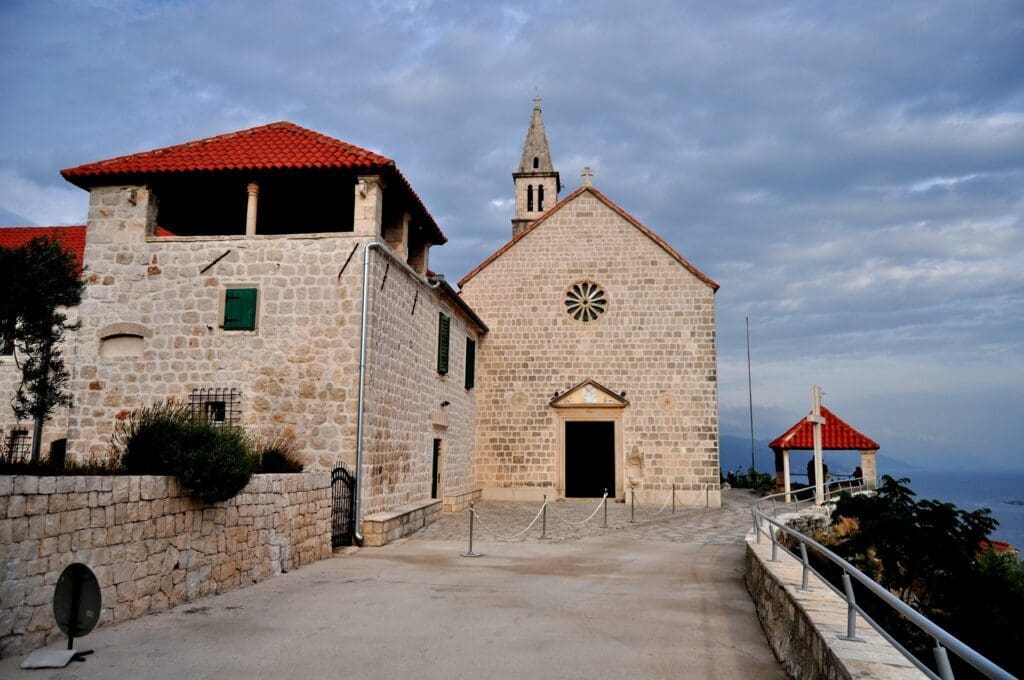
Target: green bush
[211, 463]
[216, 464]
[151, 439]
[278, 453]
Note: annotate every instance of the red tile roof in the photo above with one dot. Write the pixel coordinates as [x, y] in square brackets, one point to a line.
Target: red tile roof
[277, 146]
[836, 435]
[71, 238]
[611, 204]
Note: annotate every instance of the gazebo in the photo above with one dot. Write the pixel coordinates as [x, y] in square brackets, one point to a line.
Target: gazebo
[836, 435]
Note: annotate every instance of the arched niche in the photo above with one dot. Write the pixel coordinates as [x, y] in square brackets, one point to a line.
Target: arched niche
[122, 340]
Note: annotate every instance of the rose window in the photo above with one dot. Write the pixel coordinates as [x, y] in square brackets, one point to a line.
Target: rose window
[585, 301]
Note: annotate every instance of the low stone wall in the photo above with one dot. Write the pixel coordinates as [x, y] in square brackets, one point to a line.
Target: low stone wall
[461, 501]
[381, 528]
[150, 546]
[803, 627]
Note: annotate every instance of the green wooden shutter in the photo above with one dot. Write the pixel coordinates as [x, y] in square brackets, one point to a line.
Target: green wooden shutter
[470, 363]
[443, 330]
[240, 309]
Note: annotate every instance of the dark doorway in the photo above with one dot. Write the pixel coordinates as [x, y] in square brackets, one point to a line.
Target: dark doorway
[589, 459]
[435, 479]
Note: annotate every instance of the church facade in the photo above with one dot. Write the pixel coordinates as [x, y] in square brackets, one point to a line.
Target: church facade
[279, 280]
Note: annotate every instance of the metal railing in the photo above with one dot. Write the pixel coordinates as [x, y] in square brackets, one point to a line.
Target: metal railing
[765, 512]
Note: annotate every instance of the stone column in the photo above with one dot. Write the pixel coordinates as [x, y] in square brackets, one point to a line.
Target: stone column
[369, 208]
[250, 208]
[785, 471]
[120, 214]
[869, 468]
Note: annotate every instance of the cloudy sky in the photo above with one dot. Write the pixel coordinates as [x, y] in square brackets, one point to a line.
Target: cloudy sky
[851, 173]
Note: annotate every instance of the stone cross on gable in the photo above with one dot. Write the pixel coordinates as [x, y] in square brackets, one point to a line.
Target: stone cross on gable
[586, 175]
[536, 100]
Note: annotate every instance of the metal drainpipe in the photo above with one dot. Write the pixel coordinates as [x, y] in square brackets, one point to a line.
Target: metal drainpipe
[375, 245]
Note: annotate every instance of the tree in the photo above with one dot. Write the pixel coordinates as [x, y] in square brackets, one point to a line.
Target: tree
[39, 280]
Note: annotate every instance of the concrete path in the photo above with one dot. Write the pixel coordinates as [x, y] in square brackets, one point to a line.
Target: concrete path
[657, 600]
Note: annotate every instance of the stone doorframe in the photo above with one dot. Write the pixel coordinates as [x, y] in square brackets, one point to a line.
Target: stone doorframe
[589, 401]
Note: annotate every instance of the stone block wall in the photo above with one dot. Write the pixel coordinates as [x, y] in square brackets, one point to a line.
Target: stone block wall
[404, 392]
[296, 371]
[150, 546]
[655, 342]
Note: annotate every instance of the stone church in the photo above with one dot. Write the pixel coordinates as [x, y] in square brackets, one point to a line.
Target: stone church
[278, 279]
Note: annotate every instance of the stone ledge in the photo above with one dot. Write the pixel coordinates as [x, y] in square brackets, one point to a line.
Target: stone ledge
[382, 528]
[460, 501]
[803, 627]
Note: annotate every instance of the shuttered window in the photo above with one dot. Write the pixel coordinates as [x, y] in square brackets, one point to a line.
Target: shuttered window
[470, 363]
[240, 309]
[443, 331]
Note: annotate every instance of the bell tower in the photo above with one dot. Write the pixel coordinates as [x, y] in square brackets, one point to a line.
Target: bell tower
[536, 180]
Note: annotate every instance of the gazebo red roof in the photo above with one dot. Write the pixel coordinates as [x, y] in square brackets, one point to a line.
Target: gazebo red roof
[836, 435]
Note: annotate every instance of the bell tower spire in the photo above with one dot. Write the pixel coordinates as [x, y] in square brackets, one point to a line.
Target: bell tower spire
[537, 182]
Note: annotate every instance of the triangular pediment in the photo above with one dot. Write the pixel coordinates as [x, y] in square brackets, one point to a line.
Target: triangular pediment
[589, 394]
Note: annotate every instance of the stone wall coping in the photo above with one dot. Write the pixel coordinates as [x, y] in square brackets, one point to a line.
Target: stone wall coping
[401, 510]
[460, 494]
[818, 613]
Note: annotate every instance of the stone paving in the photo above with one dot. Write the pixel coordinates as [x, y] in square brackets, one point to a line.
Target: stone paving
[505, 521]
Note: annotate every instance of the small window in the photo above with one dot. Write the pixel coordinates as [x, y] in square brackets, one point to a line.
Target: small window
[219, 407]
[529, 198]
[536, 162]
[240, 309]
[17, 447]
[470, 363]
[540, 198]
[443, 330]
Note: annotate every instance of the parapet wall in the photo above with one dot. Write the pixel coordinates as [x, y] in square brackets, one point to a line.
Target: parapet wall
[803, 627]
[150, 546]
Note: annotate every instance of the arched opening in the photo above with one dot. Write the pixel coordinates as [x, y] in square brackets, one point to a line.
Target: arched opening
[540, 198]
[121, 345]
[529, 198]
[536, 162]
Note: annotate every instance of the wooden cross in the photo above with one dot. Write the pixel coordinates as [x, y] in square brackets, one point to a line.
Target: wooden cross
[586, 175]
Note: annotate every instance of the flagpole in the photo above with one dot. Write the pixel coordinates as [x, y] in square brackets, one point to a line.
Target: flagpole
[750, 396]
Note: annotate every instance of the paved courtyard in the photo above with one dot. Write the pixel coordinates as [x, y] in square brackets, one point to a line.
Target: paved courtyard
[657, 599]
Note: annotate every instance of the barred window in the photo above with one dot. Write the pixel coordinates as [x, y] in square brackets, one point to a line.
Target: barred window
[217, 406]
[16, 448]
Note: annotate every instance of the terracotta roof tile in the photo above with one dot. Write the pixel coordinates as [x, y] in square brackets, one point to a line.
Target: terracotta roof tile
[611, 204]
[71, 238]
[836, 435]
[277, 146]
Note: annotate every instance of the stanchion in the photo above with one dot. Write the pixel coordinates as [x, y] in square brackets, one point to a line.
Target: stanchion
[544, 519]
[673, 498]
[470, 552]
[605, 525]
[632, 505]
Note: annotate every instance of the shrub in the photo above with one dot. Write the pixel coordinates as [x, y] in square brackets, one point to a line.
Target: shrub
[151, 439]
[278, 453]
[211, 463]
[216, 463]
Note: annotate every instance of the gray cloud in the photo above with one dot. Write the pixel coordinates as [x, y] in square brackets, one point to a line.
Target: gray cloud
[853, 175]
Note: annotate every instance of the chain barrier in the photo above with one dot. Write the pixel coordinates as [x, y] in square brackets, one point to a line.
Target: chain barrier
[664, 505]
[514, 536]
[600, 505]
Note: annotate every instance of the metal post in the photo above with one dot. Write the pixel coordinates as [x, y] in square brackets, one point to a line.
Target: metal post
[851, 612]
[775, 544]
[942, 662]
[807, 566]
[470, 552]
[673, 498]
[775, 509]
[757, 528]
[605, 525]
[632, 504]
[544, 519]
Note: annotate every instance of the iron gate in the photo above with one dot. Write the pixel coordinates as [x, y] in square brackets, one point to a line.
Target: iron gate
[342, 490]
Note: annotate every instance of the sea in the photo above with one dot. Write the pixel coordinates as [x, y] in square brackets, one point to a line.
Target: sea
[1001, 492]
